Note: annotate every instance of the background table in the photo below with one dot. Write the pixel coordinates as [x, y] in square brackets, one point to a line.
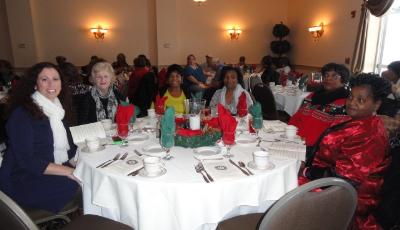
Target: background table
[180, 199]
[289, 103]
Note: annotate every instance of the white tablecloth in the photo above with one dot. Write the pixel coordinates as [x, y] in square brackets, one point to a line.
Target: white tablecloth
[289, 103]
[180, 199]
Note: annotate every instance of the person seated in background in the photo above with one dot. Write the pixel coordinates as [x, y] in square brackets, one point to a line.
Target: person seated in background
[174, 92]
[60, 60]
[229, 94]
[102, 100]
[140, 69]
[120, 65]
[6, 73]
[194, 78]
[242, 65]
[75, 85]
[283, 66]
[393, 75]
[36, 170]
[355, 148]
[263, 94]
[87, 69]
[320, 108]
[268, 73]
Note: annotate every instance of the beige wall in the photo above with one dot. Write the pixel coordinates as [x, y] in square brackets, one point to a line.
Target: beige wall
[168, 30]
[5, 42]
[338, 40]
[62, 28]
[202, 29]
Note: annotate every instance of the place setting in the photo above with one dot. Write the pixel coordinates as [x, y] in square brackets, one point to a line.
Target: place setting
[92, 144]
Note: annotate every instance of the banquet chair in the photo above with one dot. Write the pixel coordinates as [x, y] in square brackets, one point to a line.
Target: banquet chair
[330, 208]
[13, 217]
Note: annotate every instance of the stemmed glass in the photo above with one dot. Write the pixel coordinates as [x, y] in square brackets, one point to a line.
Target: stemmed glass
[256, 124]
[123, 132]
[167, 141]
[242, 113]
[228, 138]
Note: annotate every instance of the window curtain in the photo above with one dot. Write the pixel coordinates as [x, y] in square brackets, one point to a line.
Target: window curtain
[376, 8]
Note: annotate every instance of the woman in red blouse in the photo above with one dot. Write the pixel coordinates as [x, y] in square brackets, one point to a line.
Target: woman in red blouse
[356, 147]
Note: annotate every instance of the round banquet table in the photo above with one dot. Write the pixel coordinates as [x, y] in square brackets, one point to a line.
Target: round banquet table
[289, 103]
[180, 199]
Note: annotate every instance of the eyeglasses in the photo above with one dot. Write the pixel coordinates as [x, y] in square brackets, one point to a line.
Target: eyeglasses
[334, 76]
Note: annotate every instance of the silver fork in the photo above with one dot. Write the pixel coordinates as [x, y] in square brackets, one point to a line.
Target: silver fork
[107, 161]
[114, 159]
[198, 170]
[124, 156]
[202, 168]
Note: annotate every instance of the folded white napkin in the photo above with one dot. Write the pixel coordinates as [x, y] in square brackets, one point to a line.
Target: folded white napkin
[124, 167]
[288, 150]
[222, 170]
[275, 126]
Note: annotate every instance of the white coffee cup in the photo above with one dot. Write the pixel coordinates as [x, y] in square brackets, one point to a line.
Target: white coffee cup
[92, 143]
[261, 159]
[290, 132]
[152, 165]
[151, 113]
[107, 124]
[271, 84]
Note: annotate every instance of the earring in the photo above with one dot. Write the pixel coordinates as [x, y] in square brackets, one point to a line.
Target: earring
[35, 88]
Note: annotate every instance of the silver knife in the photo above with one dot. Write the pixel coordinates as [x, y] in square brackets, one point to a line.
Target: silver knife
[243, 171]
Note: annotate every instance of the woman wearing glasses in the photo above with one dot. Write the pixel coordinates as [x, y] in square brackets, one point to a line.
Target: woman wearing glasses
[321, 108]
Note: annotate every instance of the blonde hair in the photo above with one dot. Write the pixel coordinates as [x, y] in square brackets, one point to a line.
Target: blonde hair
[102, 67]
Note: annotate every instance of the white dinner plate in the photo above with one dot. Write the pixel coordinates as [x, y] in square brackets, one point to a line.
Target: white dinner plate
[154, 150]
[85, 149]
[252, 165]
[144, 173]
[246, 139]
[207, 150]
[137, 137]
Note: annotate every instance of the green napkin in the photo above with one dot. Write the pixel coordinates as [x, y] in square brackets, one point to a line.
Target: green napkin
[256, 112]
[168, 128]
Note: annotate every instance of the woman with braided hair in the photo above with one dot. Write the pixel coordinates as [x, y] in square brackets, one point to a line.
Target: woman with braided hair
[356, 148]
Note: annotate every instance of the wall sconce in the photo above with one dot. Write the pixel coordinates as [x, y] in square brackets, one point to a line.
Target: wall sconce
[234, 33]
[199, 1]
[99, 32]
[317, 31]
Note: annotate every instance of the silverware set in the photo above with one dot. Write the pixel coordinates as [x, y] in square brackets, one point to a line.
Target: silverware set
[134, 173]
[200, 169]
[242, 167]
[116, 157]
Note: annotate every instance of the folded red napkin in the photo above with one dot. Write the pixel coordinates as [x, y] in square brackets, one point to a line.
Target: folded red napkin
[213, 123]
[179, 120]
[189, 132]
[159, 104]
[242, 105]
[227, 124]
[123, 117]
[283, 79]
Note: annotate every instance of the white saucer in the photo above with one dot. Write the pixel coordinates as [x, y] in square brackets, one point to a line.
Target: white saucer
[144, 173]
[137, 137]
[154, 150]
[246, 139]
[207, 150]
[85, 149]
[252, 165]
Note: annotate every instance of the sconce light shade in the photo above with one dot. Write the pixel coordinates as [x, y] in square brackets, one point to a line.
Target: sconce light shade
[99, 32]
[317, 31]
[234, 33]
[199, 1]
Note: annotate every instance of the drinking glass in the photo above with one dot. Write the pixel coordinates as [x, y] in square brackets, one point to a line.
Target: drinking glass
[242, 114]
[257, 128]
[123, 132]
[228, 138]
[167, 141]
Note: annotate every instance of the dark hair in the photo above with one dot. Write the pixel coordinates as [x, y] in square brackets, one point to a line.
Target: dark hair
[340, 69]
[263, 94]
[21, 95]
[61, 59]
[174, 68]
[242, 58]
[140, 61]
[70, 72]
[227, 69]
[267, 62]
[395, 68]
[380, 87]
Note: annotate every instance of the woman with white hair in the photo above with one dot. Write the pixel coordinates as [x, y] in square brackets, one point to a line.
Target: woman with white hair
[102, 100]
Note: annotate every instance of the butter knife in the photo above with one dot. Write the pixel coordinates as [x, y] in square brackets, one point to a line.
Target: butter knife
[245, 173]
